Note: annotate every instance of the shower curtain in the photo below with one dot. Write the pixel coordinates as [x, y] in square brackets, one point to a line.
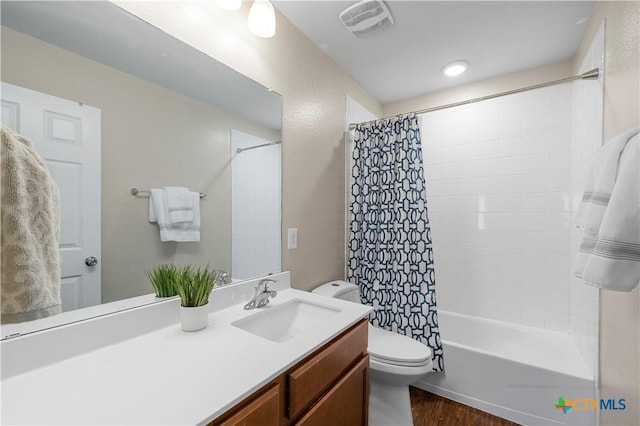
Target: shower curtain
[389, 248]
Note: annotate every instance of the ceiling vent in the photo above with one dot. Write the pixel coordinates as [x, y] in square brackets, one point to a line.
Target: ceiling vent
[366, 18]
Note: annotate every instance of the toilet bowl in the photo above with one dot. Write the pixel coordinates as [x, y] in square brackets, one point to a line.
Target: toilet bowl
[395, 362]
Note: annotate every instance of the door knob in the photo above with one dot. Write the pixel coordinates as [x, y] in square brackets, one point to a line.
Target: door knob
[91, 261]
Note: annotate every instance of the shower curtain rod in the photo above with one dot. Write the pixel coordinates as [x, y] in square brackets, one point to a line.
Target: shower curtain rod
[589, 75]
[239, 150]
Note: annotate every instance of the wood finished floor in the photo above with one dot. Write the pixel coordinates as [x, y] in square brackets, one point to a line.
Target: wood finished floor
[429, 409]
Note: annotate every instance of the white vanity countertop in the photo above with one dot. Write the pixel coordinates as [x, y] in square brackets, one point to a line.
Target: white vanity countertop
[167, 376]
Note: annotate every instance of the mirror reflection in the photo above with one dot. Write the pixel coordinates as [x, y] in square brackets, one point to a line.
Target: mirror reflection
[112, 103]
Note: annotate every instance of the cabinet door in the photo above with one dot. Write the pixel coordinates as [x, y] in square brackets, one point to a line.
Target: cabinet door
[347, 403]
[263, 410]
[317, 374]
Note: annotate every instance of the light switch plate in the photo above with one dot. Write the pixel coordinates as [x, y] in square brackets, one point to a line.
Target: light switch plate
[292, 238]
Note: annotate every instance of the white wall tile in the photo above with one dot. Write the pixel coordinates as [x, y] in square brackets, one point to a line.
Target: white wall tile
[510, 203]
[510, 107]
[533, 317]
[509, 165]
[534, 182]
[510, 128]
[488, 167]
[534, 124]
[487, 184]
[468, 152]
[534, 221]
[510, 147]
[534, 202]
[500, 190]
[534, 163]
[510, 221]
[534, 103]
[509, 184]
[533, 143]
[467, 169]
[510, 313]
[586, 138]
[255, 206]
[558, 221]
[488, 130]
[487, 111]
[487, 203]
[558, 201]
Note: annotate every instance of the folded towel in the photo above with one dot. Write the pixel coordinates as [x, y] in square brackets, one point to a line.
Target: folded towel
[179, 204]
[609, 256]
[181, 232]
[30, 260]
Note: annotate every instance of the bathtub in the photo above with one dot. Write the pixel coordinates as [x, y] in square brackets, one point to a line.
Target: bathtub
[511, 371]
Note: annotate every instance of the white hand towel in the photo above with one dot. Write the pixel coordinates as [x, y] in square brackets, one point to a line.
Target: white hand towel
[609, 255]
[156, 204]
[599, 183]
[179, 204]
[181, 232]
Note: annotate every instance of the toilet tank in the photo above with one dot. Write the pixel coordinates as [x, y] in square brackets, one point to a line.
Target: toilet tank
[340, 290]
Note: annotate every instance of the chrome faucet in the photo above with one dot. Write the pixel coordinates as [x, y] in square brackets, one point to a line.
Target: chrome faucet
[261, 298]
[223, 278]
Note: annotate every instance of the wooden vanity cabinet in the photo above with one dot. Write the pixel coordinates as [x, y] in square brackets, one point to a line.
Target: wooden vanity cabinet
[330, 386]
[346, 403]
[262, 408]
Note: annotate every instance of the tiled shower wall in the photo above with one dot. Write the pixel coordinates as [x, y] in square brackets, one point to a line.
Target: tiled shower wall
[499, 194]
[587, 139]
[255, 207]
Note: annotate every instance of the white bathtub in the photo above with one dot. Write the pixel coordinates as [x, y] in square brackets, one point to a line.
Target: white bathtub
[511, 371]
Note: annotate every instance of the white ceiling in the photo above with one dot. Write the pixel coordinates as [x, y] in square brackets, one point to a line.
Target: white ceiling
[495, 37]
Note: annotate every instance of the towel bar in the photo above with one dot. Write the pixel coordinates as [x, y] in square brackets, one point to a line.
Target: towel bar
[142, 192]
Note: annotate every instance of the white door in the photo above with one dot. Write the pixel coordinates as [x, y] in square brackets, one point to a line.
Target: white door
[67, 136]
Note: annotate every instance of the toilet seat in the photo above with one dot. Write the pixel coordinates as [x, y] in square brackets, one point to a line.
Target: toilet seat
[395, 349]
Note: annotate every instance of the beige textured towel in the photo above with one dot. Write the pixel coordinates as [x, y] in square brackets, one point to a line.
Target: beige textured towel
[30, 259]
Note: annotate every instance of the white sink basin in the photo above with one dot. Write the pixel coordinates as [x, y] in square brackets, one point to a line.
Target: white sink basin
[280, 323]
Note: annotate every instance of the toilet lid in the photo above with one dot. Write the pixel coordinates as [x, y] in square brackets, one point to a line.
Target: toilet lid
[396, 349]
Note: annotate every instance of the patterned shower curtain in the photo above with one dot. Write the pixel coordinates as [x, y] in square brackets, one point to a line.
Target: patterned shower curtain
[390, 255]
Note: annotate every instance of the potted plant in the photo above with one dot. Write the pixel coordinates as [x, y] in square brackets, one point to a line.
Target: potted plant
[162, 279]
[194, 286]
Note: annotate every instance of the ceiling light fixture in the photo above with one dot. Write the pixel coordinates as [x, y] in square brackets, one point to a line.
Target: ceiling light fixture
[455, 68]
[262, 19]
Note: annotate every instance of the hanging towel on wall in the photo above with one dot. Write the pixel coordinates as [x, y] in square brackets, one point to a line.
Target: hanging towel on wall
[179, 204]
[30, 233]
[182, 231]
[609, 215]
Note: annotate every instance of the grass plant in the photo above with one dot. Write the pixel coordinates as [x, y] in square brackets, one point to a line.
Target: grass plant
[194, 285]
[162, 279]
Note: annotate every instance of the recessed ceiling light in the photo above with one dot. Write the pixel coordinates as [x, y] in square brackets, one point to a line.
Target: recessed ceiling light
[455, 68]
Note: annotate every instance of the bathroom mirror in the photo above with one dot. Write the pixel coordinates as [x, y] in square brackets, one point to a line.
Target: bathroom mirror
[168, 115]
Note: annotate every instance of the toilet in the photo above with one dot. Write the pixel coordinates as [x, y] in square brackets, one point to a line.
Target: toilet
[395, 362]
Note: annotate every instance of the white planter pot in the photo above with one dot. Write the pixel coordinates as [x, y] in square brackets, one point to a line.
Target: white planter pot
[194, 318]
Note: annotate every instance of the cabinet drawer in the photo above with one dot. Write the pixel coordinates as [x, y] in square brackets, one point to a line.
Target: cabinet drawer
[346, 403]
[308, 381]
[263, 410]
